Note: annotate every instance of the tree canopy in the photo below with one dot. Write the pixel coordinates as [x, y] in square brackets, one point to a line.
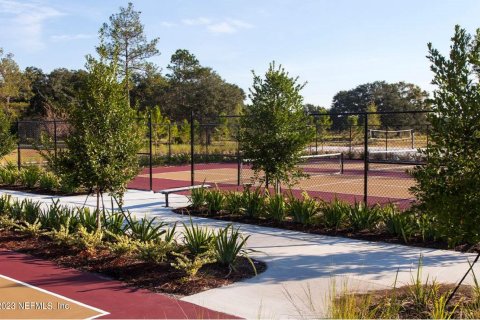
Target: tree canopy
[124, 37]
[399, 96]
[275, 127]
[447, 186]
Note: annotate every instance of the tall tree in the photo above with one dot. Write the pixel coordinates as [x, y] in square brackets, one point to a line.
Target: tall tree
[125, 37]
[105, 138]
[7, 140]
[447, 186]
[275, 130]
[12, 80]
[193, 87]
[399, 96]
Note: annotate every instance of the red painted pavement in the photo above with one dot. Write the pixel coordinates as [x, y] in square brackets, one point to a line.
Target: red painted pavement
[120, 301]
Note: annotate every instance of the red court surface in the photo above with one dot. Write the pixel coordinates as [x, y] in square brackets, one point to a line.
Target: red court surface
[112, 299]
[389, 185]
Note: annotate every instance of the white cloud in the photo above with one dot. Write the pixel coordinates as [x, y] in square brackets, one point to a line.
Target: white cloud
[23, 22]
[225, 26]
[222, 27]
[69, 37]
[197, 21]
[168, 24]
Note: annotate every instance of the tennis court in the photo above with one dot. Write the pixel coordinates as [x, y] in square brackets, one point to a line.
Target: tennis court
[328, 176]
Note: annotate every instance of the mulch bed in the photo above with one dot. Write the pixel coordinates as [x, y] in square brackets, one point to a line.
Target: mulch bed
[41, 191]
[161, 277]
[376, 236]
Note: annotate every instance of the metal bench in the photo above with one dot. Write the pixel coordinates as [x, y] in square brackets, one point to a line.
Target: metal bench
[166, 192]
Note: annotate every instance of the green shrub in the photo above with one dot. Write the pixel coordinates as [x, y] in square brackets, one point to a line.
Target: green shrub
[253, 202]
[400, 224]
[191, 266]
[57, 215]
[63, 235]
[32, 229]
[275, 207]
[303, 210]
[5, 204]
[29, 176]
[88, 218]
[114, 222]
[31, 210]
[122, 244]
[233, 202]
[154, 251]
[88, 240]
[362, 217]
[196, 239]
[8, 174]
[229, 244]
[214, 200]
[145, 230]
[198, 197]
[48, 181]
[334, 213]
[16, 209]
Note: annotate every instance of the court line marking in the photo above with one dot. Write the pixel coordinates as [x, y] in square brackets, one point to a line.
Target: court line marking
[102, 312]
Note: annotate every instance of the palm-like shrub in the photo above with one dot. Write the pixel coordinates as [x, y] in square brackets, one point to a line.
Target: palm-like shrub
[253, 202]
[304, 210]
[196, 239]
[229, 245]
[214, 200]
[334, 213]
[275, 207]
[362, 217]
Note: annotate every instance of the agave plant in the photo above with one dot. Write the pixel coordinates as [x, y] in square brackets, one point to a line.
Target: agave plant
[196, 239]
[361, 216]
[229, 244]
[214, 200]
[334, 213]
[145, 229]
[275, 207]
[303, 210]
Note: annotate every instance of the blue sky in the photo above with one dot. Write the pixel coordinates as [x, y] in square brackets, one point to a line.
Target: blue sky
[332, 44]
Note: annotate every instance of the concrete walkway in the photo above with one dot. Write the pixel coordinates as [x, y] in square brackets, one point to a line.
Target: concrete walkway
[302, 268]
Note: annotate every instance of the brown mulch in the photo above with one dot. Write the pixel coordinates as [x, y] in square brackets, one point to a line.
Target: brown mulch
[161, 277]
[375, 236]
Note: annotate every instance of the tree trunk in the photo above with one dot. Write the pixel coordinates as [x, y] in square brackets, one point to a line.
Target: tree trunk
[97, 213]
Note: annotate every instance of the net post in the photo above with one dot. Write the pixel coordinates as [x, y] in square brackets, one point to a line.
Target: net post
[365, 159]
[341, 163]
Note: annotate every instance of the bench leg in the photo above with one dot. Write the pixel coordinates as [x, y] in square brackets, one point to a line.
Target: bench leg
[166, 200]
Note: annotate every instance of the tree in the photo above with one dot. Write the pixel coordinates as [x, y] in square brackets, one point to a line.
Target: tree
[124, 38]
[105, 137]
[447, 186]
[373, 118]
[12, 80]
[399, 96]
[54, 93]
[193, 87]
[7, 140]
[275, 130]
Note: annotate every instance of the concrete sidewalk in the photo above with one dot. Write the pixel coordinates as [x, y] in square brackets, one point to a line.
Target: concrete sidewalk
[301, 267]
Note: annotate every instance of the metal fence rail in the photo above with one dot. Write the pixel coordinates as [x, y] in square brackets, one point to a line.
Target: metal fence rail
[358, 161]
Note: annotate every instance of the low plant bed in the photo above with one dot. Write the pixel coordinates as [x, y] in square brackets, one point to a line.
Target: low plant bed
[144, 253]
[288, 224]
[161, 277]
[415, 300]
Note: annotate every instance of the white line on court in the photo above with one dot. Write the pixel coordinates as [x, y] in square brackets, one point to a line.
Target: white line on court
[102, 312]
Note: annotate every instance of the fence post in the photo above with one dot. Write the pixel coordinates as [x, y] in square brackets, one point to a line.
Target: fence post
[316, 136]
[350, 146]
[150, 151]
[55, 136]
[169, 140]
[413, 138]
[192, 162]
[239, 164]
[386, 143]
[19, 157]
[365, 158]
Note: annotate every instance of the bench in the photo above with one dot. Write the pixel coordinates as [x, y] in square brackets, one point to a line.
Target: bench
[166, 192]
